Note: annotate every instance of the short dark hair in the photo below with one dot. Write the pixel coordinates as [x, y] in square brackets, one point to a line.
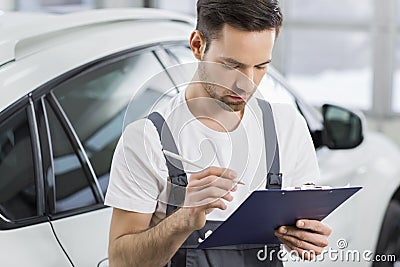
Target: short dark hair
[247, 15]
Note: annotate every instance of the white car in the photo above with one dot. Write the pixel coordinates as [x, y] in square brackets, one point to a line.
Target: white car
[65, 83]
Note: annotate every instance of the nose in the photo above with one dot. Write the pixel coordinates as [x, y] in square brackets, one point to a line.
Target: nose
[245, 80]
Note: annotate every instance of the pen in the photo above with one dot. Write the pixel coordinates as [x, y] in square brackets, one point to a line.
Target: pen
[178, 157]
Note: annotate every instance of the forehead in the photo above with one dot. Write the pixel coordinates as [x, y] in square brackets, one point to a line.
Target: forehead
[250, 47]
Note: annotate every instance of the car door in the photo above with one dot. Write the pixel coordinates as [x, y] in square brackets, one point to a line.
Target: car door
[86, 116]
[26, 235]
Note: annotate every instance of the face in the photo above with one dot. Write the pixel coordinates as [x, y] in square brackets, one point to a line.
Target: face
[234, 65]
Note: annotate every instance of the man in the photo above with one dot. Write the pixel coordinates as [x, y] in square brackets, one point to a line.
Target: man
[233, 43]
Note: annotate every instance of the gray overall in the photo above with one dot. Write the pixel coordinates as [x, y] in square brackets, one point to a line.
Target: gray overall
[238, 255]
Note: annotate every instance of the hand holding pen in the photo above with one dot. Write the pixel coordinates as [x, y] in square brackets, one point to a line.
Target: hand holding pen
[206, 191]
[178, 157]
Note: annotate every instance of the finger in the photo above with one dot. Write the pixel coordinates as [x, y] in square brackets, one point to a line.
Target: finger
[300, 243]
[310, 237]
[208, 180]
[219, 189]
[209, 210]
[217, 171]
[202, 197]
[314, 226]
[212, 180]
[302, 253]
[218, 204]
[211, 205]
[214, 193]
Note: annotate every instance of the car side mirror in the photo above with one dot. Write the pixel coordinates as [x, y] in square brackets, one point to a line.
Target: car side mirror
[343, 128]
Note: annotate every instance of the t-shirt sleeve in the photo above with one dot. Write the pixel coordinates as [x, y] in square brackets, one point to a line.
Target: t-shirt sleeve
[138, 172]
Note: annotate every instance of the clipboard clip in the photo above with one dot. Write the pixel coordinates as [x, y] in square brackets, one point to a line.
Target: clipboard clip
[308, 186]
[207, 234]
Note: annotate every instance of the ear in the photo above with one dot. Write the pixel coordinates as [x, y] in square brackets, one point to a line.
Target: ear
[197, 44]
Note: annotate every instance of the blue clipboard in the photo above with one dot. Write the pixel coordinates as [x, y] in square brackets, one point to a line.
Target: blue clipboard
[263, 211]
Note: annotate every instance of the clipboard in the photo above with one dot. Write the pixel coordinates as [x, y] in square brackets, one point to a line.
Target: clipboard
[263, 211]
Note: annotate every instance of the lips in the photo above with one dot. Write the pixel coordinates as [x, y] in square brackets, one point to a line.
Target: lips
[237, 98]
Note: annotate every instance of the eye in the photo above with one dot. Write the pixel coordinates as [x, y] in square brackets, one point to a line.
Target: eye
[264, 67]
[230, 67]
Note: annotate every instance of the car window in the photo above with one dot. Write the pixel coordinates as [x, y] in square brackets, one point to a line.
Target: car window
[183, 54]
[96, 103]
[274, 92]
[17, 179]
[72, 187]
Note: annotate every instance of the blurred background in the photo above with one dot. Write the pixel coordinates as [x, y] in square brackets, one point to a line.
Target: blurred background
[345, 52]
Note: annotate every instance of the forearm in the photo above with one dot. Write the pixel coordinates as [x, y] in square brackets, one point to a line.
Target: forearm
[152, 247]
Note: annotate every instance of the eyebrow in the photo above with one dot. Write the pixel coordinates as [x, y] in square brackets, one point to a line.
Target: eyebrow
[240, 64]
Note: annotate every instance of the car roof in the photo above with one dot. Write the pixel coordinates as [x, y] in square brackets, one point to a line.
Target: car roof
[16, 36]
[12, 20]
[50, 45]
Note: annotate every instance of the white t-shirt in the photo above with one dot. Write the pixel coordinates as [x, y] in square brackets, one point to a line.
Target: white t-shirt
[139, 175]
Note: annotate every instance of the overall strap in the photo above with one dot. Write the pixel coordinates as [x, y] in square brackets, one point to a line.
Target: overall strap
[274, 177]
[176, 172]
